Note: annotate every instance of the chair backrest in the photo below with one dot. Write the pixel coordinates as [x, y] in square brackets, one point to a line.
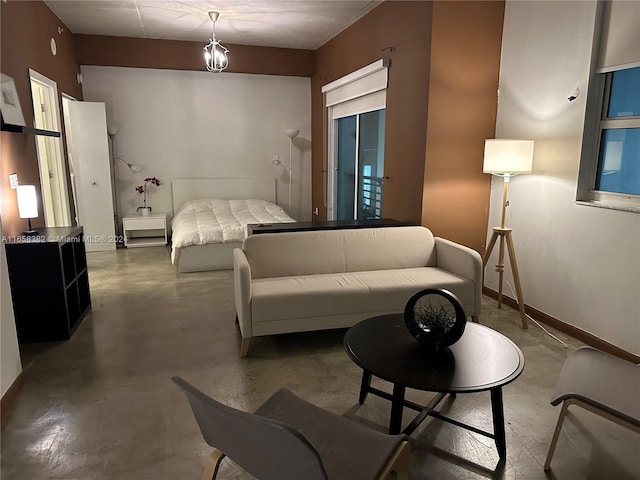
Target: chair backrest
[265, 448]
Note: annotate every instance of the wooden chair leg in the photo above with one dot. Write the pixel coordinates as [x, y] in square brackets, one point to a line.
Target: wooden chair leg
[556, 433]
[399, 462]
[213, 464]
[404, 463]
[591, 408]
[244, 347]
[475, 318]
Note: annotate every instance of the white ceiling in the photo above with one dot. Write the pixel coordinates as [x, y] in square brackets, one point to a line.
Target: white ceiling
[305, 24]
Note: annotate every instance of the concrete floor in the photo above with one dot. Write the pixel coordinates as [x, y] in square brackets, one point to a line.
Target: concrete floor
[101, 405]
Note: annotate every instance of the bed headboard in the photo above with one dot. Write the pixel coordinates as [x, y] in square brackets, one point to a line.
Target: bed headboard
[184, 189]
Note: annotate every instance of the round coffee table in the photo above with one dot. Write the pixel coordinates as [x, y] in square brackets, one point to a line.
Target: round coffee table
[481, 360]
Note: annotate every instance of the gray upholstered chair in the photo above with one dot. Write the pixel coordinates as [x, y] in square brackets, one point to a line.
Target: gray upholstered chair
[601, 383]
[288, 438]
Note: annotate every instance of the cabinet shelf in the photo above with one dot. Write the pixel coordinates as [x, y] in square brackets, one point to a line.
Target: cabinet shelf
[7, 127]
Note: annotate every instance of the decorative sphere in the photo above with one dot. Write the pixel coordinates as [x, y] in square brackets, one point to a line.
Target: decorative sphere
[435, 318]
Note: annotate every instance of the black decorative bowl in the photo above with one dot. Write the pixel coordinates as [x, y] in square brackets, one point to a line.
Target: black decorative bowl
[435, 318]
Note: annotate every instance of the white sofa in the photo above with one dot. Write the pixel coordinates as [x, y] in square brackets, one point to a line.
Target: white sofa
[315, 280]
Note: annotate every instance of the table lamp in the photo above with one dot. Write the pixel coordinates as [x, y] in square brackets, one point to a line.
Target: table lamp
[506, 158]
[28, 205]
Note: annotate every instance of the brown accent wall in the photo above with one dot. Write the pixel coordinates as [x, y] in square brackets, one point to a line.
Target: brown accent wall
[405, 26]
[179, 55]
[441, 99]
[26, 31]
[441, 105]
[466, 39]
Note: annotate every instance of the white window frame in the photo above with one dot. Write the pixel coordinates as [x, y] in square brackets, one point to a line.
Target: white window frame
[596, 122]
[359, 92]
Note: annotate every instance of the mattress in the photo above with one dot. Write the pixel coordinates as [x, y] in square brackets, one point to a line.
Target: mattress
[214, 220]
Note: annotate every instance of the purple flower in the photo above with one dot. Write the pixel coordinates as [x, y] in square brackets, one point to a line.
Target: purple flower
[143, 189]
[153, 181]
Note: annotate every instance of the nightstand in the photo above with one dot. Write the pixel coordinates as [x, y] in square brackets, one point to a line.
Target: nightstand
[149, 231]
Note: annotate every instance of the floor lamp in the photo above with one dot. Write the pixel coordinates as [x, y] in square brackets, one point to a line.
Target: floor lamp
[506, 158]
[114, 184]
[291, 133]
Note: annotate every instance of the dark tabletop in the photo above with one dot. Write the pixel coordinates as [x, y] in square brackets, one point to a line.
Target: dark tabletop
[480, 360]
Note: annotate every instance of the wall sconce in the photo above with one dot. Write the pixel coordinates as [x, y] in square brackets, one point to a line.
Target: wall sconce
[215, 54]
[28, 205]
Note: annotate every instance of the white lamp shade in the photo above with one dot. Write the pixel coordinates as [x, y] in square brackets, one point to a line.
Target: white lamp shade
[27, 201]
[508, 156]
[291, 133]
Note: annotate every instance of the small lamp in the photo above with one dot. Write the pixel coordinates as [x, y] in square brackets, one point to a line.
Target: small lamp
[132, 166]
[28, 205]
[506, 158]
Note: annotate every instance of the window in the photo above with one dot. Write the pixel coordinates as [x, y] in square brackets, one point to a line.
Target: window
[356, 124]
[610, 163]
[359, 166]
[619, 152]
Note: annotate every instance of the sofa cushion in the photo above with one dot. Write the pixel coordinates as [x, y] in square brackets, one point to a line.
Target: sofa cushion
[307, 296]
[338, 251]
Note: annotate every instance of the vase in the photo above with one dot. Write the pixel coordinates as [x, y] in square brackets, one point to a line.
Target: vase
[144, 211]
[435, 318]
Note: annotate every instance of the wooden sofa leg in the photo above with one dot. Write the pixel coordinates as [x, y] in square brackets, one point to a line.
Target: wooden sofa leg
[244, 347]
[475, 319]
[211, 469]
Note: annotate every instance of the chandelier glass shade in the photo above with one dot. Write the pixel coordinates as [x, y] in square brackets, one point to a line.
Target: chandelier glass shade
[215, 54]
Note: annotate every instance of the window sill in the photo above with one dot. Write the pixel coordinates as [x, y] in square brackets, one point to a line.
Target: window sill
[609, 205]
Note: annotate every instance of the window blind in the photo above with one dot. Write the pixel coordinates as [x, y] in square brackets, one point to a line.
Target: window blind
[620, 43]
[362, 82]
[368, 103]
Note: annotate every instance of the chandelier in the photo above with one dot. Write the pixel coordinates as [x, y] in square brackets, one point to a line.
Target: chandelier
[215, 54]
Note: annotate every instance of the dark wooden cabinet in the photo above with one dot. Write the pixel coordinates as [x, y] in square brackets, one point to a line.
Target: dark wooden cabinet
[49, 283]
[256, 228]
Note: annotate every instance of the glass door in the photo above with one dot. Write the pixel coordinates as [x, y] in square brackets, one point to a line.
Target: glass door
[359, 166]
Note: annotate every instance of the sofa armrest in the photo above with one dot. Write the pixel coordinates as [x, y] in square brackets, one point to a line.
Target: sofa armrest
[242, 291]
[464, 262]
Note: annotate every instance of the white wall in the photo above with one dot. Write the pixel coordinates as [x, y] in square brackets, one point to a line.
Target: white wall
[186, 124]
[9, 353]
[578, 264]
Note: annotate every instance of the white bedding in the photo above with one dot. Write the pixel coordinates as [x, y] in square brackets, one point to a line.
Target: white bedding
[213, 220]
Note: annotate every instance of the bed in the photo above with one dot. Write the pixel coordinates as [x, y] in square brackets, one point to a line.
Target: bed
[211, 216]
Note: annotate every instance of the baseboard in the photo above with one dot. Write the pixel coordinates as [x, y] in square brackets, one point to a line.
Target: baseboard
[565, 328]
[9, 398]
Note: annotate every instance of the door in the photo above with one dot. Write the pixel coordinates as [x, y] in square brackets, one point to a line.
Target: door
[89, 147]
[53, 178]
[72, 176]
[358, 165]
